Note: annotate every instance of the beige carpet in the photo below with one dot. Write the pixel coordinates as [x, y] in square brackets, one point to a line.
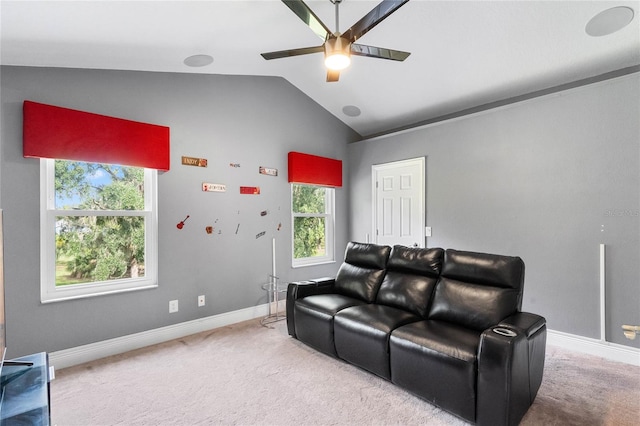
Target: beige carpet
[246, 374]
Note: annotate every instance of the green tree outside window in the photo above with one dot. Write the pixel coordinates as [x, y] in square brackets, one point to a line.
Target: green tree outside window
[98, 246]
[311, 206]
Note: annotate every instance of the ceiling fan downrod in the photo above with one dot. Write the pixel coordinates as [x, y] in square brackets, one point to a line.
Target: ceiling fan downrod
[337, 4]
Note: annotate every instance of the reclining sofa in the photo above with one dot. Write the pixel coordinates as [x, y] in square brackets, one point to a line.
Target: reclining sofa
[445, 325]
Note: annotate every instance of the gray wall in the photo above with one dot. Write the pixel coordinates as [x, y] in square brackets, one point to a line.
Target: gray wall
[253, 121]
[549, 180]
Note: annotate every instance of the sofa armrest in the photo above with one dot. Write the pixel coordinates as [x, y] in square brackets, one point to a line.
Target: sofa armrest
[510, 364]
[535, 328]
[529, 324]
[299, 289]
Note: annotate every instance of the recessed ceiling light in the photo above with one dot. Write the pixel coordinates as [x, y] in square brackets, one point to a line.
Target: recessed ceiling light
[609, 21]
[351, 111]
[198, 61]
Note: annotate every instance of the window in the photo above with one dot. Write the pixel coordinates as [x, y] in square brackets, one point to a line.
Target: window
[98, 229]
[312, 224]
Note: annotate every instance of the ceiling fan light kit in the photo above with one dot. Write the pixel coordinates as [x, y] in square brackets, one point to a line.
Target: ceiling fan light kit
[338, 47]
[337, 54]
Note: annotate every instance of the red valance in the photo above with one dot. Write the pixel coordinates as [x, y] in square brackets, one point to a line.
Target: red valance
[67, 134]
[314, 170]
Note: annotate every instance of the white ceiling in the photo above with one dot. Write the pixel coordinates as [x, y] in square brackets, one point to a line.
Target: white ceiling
[463, 53]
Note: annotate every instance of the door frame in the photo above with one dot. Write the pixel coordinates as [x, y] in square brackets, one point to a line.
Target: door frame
[375, 168]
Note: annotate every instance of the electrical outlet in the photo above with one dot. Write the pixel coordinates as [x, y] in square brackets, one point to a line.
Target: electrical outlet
[173, 306]
[201, 300]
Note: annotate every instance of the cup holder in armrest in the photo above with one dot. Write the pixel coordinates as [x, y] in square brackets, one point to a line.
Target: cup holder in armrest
[504, 332]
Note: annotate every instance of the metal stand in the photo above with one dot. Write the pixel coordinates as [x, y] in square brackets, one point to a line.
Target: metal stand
[274, 288]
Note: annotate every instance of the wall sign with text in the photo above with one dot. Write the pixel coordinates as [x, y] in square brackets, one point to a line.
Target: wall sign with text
[250, 190]
[193, 161]
[268, 171]
[214, 187]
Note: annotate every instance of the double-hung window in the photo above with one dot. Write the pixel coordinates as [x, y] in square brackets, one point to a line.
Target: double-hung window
[98, 229]
[312, 210]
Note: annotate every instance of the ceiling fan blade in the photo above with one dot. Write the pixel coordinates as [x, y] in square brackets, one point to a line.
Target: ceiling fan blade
[373, 18]
[292, 52]
[332, 76]
[308, 17]
[378, 52]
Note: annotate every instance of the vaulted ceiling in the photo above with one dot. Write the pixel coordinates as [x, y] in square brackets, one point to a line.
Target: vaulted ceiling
[463, 53]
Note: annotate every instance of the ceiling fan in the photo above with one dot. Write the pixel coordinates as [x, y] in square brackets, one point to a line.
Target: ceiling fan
[338, 47]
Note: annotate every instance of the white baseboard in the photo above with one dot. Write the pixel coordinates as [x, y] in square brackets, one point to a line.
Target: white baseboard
[608, 350]
[81, 354]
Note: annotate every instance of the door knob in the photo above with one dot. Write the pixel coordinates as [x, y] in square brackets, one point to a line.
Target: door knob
[415, 244]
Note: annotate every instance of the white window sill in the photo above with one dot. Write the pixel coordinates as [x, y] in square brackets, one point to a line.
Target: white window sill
[318, 263]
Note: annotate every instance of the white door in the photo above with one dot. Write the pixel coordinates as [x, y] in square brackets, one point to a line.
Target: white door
[398, 203]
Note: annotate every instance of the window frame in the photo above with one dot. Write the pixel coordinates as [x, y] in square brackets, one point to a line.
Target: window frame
[49, 292]
[329, 231]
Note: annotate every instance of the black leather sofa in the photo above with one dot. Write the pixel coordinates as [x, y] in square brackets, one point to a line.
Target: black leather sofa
[445, 325]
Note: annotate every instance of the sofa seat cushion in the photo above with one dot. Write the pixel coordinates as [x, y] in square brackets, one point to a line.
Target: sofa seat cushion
[437, 361]
[314, 319]
[362, 334]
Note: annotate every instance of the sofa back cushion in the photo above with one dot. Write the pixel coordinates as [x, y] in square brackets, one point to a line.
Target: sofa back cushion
[363, 270]
[477, 290]
[411, 276]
